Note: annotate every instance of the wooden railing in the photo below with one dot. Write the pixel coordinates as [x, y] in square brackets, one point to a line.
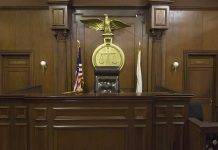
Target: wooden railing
[202, 135]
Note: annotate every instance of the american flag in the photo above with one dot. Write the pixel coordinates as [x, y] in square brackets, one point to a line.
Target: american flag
[79, 83]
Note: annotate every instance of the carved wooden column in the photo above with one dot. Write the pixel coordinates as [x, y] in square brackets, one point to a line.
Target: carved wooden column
[60, 24]
[158, 24]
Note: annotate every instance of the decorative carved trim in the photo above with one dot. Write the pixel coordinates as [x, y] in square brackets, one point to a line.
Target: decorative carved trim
[61, 35]
[156, 34]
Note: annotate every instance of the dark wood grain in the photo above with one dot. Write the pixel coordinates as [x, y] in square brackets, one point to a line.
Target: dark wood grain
[123, 121]
[198, 131]
[176, 4]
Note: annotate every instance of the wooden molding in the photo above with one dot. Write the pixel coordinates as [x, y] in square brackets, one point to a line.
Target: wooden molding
[59, 16]
[159, 17]
[66, 2]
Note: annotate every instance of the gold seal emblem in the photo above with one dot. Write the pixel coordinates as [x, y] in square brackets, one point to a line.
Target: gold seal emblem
[107, 54]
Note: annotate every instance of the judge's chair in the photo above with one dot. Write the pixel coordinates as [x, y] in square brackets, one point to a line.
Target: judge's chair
[202, 135]
[106, 79]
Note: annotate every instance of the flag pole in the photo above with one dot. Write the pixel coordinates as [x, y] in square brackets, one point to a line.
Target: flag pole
[79, 82]
[78, 43]
[138, 71]
[139, 45]
[70, 92]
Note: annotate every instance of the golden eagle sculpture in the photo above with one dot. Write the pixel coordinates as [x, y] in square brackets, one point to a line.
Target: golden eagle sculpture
[106, 25]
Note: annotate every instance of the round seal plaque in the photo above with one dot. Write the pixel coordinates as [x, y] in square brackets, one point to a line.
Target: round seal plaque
[108, 55]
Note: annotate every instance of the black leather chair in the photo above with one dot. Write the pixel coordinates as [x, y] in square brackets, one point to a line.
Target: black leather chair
[195, 110]
[106, 79]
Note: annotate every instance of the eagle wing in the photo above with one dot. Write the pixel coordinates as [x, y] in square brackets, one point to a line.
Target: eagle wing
[96, 24]
[116, 24]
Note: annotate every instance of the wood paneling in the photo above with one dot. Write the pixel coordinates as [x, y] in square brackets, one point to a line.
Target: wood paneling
[200, 134]
[13, 126]
[210, 31]
[194, 4]
[188, 30]
[24, 3]
[39, 130]
[192, 30]
[7, 29]
[29, 30]
[43, 44]
[200, 79]
[88, 121]
[59, 16]
[16, 72]
[195, 84]
[108, 138]
[39, 137]
[23, 34]
[176, 4]
[169, 120]
[95, 125]
[20, 130]
[5, 136]
[5, 127]
[216, 112]
[5, 112]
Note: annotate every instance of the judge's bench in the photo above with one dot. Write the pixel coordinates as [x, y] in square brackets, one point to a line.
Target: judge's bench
[119, 121]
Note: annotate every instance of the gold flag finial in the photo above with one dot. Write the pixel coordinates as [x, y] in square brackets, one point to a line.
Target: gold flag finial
[78, 43]
[139, 46]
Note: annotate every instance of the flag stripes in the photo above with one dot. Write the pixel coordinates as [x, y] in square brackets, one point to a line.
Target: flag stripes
[79, 82]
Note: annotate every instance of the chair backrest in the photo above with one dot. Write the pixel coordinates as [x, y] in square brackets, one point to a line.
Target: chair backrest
[107, 79]
[195, 110]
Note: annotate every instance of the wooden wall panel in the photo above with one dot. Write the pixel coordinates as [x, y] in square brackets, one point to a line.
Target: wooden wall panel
[195, 4]
[23, 3]
[142, 141]
[177, 133]
[108, 138]
[23, 32]
[185, 33]
[7, 29]
[201, 88]
[16, 72]
[29, 30]
[11, 84]
[177, 3]
[5, 136]
[169, 131]
[13, 127]
[44, 47]
[39, 137]
[20, 130]
[189, 30]
[210, 30]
